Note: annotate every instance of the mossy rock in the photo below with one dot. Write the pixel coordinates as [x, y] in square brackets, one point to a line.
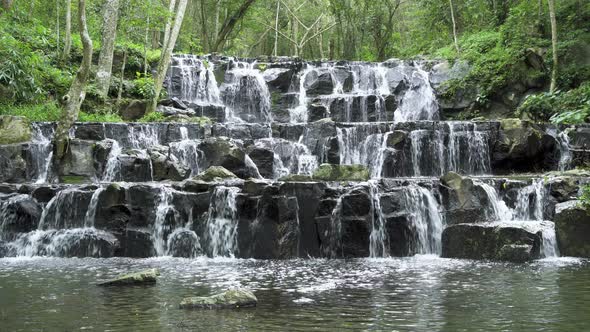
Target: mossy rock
[14, 129]
[73, 179]
[296, 178]
[235, 298]
[215, 173]
[138, 278]
[572, 228]
[331, 172]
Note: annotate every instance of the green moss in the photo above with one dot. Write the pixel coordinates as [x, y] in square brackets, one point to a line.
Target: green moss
[215, 173]
[14, 129]
[330, 172]
[73, 179]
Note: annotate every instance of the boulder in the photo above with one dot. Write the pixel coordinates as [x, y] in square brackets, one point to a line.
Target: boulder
[491, 241]
[331, 172]
[318, 83]
[18, 214]
[264, 160]
[224, 152]
[14, 129]
[79, 161]
[138, 278]
[12, 164]
[165, 166]
[572, 226]
[235, 298]
[215, 173]
[184, 243]
[135, 166]
[173, 102]
[168, 111]
[135, 110]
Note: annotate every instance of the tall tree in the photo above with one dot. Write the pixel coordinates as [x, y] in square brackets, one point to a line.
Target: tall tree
[65, 56]
[105, 58]
[170, 35]
[454, 26]
[554, 45]
[77, 92]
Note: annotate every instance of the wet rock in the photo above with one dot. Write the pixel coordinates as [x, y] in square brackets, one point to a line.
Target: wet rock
[44, 194]
[264, 160]
[330, 172]
[279, 79]
[112, 214]
[296, 178]
[522, 147]
[14, 129]
[165, 166]
[172, 111]
[18, 214]
[317, 111]
[79, 161]
[235, 298]
[492, 241]
[84, 243]
[464, 201]
[184, 243]
[223, 152]
[215, 173]
[12, 164]
[138, 278]
[90, 131]
[572, 226]
[211, 111]
[136, 243]
[563, 188]
[318, 84]
[135, 166]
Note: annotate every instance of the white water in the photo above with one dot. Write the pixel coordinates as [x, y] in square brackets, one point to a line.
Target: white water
[423, 208]
[378, 239]
[160, 228]
[91, 212]
[198, 83]
[42, 152]
[419, 101]
[222, 222]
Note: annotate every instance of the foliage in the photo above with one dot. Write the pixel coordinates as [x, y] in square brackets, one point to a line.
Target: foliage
[570, 107]
[153, 117]
[99, 117]
[144, 86]
[34, 112]
[585, 197]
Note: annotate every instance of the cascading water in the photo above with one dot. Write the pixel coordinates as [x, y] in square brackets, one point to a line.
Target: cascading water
[192, 79]
[530, 203]
[424, 212]
[161, 228]
[246, 94]
[419, 101]
[378, 239]
[42, 151]
[363, 145]
[187, 151]
[222, 223]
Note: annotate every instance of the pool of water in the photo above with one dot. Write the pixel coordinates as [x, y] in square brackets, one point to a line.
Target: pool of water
[423, 293]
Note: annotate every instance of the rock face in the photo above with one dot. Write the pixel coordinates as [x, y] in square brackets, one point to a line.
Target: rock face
[572, 223]
[14, 129]
[138, 278]
[235, 298]
[215, 173]
[494, 242]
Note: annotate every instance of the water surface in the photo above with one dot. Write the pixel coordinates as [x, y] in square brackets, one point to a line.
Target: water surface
[422, 293]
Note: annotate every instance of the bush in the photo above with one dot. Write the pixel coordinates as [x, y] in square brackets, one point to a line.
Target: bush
[153, 117]
[585, 197]
[40, 112]
[571, 107]
[144, 87]
[99, 117]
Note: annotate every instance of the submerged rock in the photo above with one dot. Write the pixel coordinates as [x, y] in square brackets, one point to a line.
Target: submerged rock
[331, 172]
[235, 298]
[138, 278]
[492, 241]
[14, 129]
[572, 226]
[215, 173]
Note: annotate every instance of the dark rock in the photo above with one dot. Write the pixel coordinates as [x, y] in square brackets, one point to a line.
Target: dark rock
[215, 173]
[90, 131]
[165, 166]
[223, 152]
[135, 166]
[44, 194]
[137, 243]
[495, 242]
[572, 226]
[173, 102]
[79, 161]
[172, 111]
[18, 214]
[318, 84]
[264, 160]
[12, 164]
[184, 243]
[135, 110]
[329, 172]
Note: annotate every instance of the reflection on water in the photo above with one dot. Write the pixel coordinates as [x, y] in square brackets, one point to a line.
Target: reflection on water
[423, 293]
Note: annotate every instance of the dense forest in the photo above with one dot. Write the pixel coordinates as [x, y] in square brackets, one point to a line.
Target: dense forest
[121, 48]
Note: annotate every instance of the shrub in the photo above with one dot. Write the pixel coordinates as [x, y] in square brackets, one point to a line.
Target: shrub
[153, 117]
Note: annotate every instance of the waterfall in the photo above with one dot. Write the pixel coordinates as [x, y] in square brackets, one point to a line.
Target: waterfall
[91, 212]
[333, 249]
[187, 151]
[112, 169]
[246, 94]
[423, 210]
[530, 202]
[222, 222]
[378, 239]
[363, 145]
[42, 152]
[419, 101]
[192, 79]
[299, 113]
[160, 228]
[289, 157]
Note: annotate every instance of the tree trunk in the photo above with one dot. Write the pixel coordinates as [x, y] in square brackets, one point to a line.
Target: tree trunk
[276, 47]
[68, 38]
[105, 58]
[204, 30]
[77, 92]
[216, 25]
[167, 53]
[554, 45]
[454, 26]
[230, 23]
[120, 93]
